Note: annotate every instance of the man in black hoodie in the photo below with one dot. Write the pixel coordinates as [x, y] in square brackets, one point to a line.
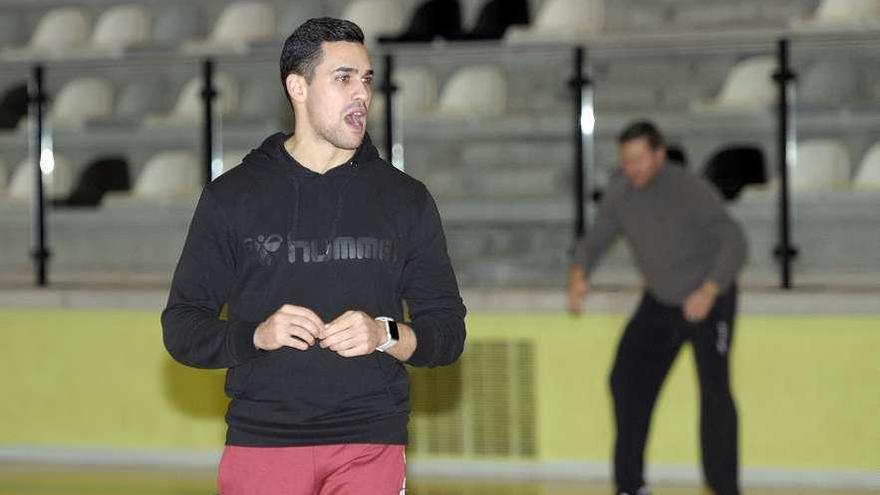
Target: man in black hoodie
[314, 243]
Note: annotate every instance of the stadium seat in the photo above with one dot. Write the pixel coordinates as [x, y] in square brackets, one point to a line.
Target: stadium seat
[822, 164]
[417, 90]
[119, 27]
[416, 94]
[431, 19]
[749, 86]
[240, 24]
[497, 16]
[375, 17]
[676, 155]
[58, 32]
[829, 83]
[733, 168]
[79, 101]
[169, 175]
[477, 91]
[102, 175]
[868, 176]
[13, 106]
[835, 14]
[189, 109]
[562, 20]
[58, 183]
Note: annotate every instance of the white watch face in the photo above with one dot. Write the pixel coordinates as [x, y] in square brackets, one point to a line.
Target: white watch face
[389, 341]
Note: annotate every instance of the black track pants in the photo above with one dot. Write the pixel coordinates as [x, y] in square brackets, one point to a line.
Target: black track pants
[646, 351]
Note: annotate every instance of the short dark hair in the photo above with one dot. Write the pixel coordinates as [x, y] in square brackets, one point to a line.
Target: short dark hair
[302, 49]
[642, 129]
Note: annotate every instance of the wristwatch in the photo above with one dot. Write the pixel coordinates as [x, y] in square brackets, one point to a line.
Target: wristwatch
[390, 331]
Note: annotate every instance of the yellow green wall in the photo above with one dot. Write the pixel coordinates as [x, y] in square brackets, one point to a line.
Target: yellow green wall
[808, 387]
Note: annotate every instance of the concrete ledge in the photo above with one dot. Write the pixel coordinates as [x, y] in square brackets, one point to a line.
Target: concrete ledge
[612, 300]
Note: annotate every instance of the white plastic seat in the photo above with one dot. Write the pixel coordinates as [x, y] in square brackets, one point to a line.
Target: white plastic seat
[822, 164]
[58, 32]
[417, 89]
[868, 176]
[79, 101]
[188, 110]
[476, 91]
[119, 27]
[561, 20]
[416, 93]
[58, 183]
[169, 175]
[240, 24]
[375, 17]
[749, 86]
[835, 14]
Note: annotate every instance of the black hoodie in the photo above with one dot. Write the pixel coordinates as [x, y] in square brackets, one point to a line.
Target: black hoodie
[363, 236]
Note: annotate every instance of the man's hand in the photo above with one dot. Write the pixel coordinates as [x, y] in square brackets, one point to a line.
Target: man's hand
[698, 305]
[290, 326]
[354, 333]
[578, 288]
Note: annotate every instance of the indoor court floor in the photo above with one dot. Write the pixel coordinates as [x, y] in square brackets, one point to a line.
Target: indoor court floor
[36, 480]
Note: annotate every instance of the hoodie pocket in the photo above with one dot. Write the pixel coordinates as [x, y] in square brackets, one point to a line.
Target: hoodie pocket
[276, 376]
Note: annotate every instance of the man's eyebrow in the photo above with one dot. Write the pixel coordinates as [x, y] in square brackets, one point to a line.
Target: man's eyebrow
[352, 70]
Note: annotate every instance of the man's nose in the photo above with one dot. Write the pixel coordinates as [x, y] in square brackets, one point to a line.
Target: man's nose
[361, 91]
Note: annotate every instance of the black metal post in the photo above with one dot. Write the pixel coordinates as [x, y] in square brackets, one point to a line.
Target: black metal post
[39, 249]
[389, 88]
[581, 85]
[208, 95]
[785, 251]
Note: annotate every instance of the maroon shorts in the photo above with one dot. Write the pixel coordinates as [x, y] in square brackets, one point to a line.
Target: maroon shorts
[350, 469]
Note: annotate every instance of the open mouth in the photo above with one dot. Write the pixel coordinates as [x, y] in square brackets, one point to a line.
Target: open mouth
[356, 119]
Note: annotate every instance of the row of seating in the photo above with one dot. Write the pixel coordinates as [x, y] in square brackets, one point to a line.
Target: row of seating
[65, 31]
[470, 91]
[822, 164]
[166, 175]
[92, 99]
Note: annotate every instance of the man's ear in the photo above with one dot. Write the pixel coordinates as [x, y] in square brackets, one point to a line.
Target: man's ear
[297, 88]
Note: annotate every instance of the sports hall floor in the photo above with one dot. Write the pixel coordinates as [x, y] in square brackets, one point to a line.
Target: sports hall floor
[25, 479]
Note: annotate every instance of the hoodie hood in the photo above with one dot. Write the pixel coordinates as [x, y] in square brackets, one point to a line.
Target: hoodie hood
[272, 153]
